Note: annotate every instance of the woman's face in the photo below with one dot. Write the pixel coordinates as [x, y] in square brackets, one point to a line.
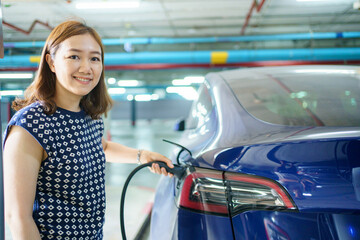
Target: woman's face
[77, 65]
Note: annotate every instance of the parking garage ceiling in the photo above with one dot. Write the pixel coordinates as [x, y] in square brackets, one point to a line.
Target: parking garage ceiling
[183, 18]
[196, 22]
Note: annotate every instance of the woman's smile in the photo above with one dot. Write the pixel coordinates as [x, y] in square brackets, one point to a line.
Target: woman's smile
[83, 79]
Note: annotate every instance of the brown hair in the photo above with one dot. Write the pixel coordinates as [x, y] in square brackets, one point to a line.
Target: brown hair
[42, 88]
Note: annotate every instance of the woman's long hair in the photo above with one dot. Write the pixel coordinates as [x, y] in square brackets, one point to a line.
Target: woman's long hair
[42, 89]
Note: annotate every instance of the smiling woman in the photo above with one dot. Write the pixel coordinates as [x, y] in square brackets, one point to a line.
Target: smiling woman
[77, 65]
[54, 187]
[65, 45]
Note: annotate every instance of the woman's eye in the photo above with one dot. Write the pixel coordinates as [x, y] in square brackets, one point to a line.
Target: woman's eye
[74, 57]
[95, 59]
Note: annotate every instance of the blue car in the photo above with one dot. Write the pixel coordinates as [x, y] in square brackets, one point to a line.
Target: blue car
[273, 153]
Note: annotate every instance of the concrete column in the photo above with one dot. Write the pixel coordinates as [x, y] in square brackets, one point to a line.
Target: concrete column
[133, 112]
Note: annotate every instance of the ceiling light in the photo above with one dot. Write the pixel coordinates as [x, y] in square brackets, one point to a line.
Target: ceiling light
[179, 82]
[195, 79]
[189, 93]
[155, 97]
[116, 91]
[111, 81]
[326, 71]
[11, 93]
[188, 80]
[108, 5]
[312, 0]
[356, 5]
[16, 75]
[143, 98]
[128, 83]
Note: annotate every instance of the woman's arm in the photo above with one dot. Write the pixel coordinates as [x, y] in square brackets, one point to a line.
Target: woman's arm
[22, 160]
[118, 153]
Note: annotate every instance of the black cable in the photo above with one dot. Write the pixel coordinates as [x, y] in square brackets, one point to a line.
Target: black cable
[178, 171]
[182, 149]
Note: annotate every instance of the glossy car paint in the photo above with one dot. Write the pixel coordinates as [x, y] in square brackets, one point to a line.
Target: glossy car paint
[318, 166]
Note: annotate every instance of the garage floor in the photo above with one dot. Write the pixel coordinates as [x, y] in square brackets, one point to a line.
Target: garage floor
[146, 135]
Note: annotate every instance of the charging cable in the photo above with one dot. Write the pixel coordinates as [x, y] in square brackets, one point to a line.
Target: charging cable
[178, 172]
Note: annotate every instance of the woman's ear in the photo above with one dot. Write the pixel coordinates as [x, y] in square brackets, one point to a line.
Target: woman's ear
[50, 62]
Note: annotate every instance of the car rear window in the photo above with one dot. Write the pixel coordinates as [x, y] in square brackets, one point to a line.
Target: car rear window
[300, 97]
[200, 109]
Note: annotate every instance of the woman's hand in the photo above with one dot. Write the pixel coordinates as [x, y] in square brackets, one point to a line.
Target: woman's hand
[147, 157]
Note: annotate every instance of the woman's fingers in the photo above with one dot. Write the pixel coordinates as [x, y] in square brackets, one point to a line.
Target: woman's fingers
[164, 172]
[167, 161]
[155, 168]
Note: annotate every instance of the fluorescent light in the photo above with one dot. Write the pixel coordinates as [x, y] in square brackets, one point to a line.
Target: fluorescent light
[16, 75]
[155, 97]
[116, 91]
[143, 97]
[179, 82]
[160, 92]
[356, 5]
[136, 90]
[195, 79]
[107, 5]
[11, 92]
[128, 83]
[312, 0]
[326, 71]
[188, 80]
[188, 93]
[111, 80]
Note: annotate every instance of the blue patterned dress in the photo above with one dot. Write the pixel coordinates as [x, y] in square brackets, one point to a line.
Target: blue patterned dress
[70, 190]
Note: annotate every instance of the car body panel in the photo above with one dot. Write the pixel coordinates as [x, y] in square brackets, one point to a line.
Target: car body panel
[280, 225]
[318, 166]
[212, 227]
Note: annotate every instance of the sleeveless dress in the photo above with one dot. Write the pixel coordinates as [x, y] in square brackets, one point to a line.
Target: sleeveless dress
[70, 190]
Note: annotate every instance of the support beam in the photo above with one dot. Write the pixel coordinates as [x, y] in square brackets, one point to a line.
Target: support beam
[27, 32]
[248, 16]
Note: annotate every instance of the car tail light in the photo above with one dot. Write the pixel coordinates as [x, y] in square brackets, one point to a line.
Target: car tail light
[216, 192]
[249, 192]
[203, 190]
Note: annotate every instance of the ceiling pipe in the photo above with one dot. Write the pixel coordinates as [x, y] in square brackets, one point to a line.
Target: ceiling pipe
[206, 57]
[273, 37]
[157, 66]
[226, 65]
[248, 16]
[27, 32]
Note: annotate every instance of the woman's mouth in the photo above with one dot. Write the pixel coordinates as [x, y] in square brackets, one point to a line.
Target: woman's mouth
[81, 79]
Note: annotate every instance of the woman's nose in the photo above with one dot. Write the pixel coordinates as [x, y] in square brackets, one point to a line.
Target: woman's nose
[85, 66]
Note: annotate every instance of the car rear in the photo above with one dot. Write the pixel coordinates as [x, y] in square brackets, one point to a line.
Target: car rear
[281, 162]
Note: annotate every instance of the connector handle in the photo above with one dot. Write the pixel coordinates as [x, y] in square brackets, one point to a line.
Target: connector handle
[177, 170]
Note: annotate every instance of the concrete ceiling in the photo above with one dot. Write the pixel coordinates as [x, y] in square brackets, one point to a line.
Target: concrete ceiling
[185, 18]
[32, 20]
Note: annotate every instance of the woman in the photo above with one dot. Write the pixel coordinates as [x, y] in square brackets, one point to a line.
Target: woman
[54, 150]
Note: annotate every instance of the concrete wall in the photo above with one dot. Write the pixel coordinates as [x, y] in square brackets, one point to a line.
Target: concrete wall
[161, 109]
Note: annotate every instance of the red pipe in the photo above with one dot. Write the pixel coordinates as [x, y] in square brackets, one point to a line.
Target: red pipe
[248, 16]
[204, 65]
[258, 8]
[30, 29]
[234, 65]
